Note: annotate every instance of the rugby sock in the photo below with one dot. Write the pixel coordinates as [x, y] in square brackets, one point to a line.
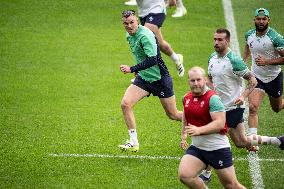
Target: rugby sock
[133, 136]
[179, 4]
[206, 173]
[258, 140]
[175, 57]
[252, 131]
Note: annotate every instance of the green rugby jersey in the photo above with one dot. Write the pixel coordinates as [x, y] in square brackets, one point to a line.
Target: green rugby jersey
[143, 44]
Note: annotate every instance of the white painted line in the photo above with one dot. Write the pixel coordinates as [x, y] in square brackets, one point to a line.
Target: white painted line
[253, 159]
[230, 22]
[144, 157]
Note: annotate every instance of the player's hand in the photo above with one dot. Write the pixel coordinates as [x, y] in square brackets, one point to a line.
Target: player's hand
[183, 144]
[240, 101]
[260, 60]
[192, 130]
[125, 69]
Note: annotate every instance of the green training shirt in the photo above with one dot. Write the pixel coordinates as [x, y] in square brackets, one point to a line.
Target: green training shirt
[143, 44]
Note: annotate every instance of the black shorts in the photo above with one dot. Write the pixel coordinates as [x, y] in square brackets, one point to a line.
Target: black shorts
[273, 88]
[234, 117]
[162, 88]
[153, 18]
[218, 159]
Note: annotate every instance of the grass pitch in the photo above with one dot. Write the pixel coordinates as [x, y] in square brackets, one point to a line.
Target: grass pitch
[60, 92]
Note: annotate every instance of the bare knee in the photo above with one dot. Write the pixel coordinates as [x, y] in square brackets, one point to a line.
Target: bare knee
[125, 105]
[186, 179]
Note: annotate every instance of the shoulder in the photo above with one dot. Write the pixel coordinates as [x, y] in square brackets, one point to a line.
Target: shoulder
[216, 104]
[186, 96]
[276, 38]
[250, 32]
[273, 33]
[236, 61]
[214, 54]
[145, 33]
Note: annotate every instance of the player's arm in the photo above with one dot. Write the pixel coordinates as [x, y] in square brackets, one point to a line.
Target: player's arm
[147, 63]
[261, 60]
[218, 116]
[149, 45]
[215, 126]
[183, 143]
[209, 82]
[246, 54]
[278, 43]
[251, 83]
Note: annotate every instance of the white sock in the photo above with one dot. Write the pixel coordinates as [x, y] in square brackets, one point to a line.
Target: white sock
[252, 131]
[133, 136]
[179, 4]
[175, 57]
[257, 140]
[207, 173]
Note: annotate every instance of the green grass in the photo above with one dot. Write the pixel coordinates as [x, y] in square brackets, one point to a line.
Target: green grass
[60, 92]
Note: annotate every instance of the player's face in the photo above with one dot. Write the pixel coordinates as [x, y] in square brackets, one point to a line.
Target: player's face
[196, 82]
[261, 23]
[130, 24]
[220, 42]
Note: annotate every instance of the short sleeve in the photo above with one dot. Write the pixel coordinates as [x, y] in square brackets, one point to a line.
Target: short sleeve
[215, 104]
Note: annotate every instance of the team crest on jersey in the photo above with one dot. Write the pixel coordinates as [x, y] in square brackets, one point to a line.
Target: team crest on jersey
[151, 18]
[202, 104]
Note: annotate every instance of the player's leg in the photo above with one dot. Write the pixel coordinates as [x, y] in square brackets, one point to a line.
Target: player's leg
[164, 90]
[132, 95]
[255, 99]
[235, 122]
[180, 10]
[221, 161]
[189, 168]
[228, 178]
[169, 105]
[277, 104]
[155, 26]
[238, 136]
[274, 91]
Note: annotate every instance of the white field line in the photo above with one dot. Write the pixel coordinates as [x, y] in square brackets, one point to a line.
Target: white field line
[253, 159]
[144, 157]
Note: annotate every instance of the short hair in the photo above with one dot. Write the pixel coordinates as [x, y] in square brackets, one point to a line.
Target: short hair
[197, 68]
[127, 13]
[224, 30]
